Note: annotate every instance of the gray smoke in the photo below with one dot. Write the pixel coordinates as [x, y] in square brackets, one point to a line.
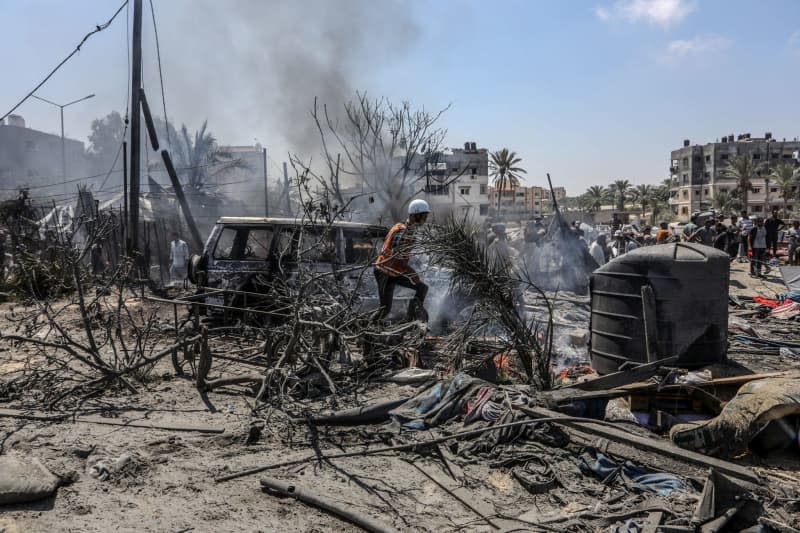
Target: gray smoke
[256, 66]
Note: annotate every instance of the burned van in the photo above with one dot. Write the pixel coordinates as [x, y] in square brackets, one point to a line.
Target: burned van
[251, 256]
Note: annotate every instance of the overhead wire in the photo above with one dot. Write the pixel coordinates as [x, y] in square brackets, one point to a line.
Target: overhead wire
[97, 29]
[160, 73]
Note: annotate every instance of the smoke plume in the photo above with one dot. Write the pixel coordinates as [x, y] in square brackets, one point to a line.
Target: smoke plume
[256, 66]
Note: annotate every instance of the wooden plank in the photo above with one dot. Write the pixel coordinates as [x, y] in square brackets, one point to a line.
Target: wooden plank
[656, 446]
[623, 377]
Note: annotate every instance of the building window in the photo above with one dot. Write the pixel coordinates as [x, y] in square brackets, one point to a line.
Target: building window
[697, 159]
[707, 175]
[697, 193]
[756, 156]
[756, 208]
[775, 156]
[685, 194]
[773, 189]
[705, 192]
[473, 177]
[788, 207]
[723, 156]
[685, 162]
[787, 156]
[483, 188]
[474, 170]
[723, 189]
[463, 191]
[755, 190]
[484, 210]
[437, 190]
[685, 179]
[708, 159]
[684, 210]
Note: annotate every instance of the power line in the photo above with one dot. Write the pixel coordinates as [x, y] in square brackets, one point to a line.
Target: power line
[97, 29]
[160, 73]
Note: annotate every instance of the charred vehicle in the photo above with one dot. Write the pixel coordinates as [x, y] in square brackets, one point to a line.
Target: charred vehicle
[247, 262]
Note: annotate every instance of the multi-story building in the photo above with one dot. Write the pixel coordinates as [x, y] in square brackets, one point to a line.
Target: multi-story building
[29, 157]
[698, 172]
[525, 201]
[457, 181]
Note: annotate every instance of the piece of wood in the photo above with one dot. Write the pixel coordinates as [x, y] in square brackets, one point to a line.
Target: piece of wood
[624, 377]
[326, 504]
[656, 446]
[653, 521]
[569, 394]
[61, 417]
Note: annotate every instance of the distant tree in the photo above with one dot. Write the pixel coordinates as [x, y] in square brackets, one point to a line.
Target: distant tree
[105, 141]
[785, 177]
[595, 196]
[641, 195]
[619, 193]
[742, 169]
[658, 201]
[502, 164]
[727, 202]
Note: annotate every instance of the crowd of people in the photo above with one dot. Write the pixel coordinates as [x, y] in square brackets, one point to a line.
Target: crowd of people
[743, 238]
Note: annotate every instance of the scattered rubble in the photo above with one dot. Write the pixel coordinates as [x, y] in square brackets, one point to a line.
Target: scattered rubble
[182, 398]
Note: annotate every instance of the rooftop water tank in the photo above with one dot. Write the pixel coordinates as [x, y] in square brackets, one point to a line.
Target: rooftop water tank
[659, 301]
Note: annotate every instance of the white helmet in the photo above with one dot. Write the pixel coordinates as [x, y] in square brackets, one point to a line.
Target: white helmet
[418, 206]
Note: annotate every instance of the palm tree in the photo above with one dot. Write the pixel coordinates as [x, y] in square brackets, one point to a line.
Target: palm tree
[619, 190]
[658, 201]
[595, 196]
[785, 177]
[727, 202]
[641, 194]
[505, 172]
[742, 169]
[201, 157]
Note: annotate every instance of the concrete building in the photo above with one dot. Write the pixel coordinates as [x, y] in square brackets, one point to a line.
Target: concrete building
[526, 201]
[697, 172]
[30, 157]
[458, 182]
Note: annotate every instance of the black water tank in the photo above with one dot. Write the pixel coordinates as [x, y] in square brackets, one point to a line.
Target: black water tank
[679, 291]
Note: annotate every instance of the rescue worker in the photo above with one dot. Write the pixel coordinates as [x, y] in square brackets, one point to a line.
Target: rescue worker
[392, 268]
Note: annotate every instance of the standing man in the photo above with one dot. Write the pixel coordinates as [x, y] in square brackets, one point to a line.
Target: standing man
[392, 268]
[689, 229]
[178, 257]
[794, 243]
[598, 249]
[706, 234]
[758, 244]
[773, 225]
[745, 225]
[734, 238]
[663, 234]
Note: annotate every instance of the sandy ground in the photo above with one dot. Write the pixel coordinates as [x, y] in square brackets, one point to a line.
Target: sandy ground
[169, 484]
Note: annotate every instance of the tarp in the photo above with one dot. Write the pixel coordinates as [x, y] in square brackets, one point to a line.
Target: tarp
[791, 277]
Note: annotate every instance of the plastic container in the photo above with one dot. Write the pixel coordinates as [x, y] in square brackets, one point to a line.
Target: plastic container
[659, 301]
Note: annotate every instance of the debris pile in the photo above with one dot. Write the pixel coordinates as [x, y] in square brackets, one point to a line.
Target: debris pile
[286, 375]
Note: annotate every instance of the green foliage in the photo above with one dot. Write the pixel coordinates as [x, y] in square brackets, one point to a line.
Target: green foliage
[505, 172]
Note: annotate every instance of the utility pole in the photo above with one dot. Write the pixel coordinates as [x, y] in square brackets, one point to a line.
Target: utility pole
[286, 189]
[135, 116]
[266, 186]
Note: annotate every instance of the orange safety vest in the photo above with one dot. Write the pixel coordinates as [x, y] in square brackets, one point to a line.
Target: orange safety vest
[395, 252]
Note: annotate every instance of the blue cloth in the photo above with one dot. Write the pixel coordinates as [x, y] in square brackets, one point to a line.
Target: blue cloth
[596, 464]
[791, 295]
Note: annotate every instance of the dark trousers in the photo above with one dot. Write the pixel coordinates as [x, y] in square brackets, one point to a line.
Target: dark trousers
[772, 242]
[757, 260]
[386, 285]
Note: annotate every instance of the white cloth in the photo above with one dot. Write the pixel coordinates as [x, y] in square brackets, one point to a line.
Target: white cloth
[178, 253]
[745, 225]
[597, 253]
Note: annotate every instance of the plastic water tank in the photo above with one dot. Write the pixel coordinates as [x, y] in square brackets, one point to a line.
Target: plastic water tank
[659, 301]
